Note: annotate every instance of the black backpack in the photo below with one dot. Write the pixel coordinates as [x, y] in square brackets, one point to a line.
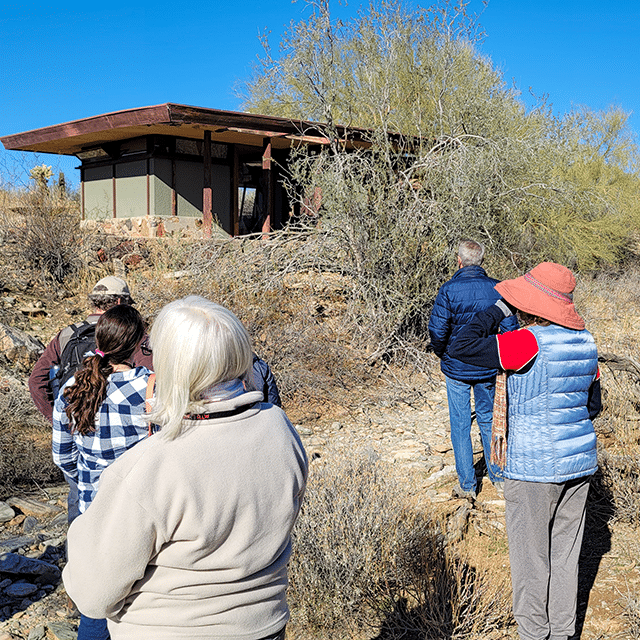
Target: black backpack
[76, 343]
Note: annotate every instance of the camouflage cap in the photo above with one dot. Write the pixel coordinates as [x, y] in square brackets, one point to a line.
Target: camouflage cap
[111, 286]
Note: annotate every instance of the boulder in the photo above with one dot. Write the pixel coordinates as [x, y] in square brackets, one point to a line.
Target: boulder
[37, 633]
[16, 542]
[6, 512]
[19, 348]
[34, 508]
[20, 589]
[62, 630]
[16, 564]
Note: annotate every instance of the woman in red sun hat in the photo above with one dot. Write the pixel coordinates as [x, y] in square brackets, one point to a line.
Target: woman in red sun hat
[553, 391]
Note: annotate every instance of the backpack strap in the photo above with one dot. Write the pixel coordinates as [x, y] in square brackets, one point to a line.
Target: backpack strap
[151, 385]
[72, 330]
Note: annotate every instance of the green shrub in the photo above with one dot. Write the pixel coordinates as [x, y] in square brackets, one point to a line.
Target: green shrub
[453, 153]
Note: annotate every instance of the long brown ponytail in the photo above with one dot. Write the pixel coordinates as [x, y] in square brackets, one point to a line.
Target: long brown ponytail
[118, 333]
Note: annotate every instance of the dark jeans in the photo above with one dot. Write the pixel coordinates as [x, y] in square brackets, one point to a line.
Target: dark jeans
[92, 629]
[73, 506]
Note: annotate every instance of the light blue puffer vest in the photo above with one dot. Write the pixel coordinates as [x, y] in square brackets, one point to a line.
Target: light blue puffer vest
[551, 438]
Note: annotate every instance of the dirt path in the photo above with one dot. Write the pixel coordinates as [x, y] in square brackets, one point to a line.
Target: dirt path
[415, 437]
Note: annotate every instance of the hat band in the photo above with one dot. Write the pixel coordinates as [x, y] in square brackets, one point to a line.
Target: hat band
[565, 297]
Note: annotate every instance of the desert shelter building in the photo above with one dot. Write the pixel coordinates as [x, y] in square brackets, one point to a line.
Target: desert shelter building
[172, 167]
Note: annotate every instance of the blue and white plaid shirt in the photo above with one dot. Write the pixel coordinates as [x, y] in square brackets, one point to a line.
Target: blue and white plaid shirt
[120, 424]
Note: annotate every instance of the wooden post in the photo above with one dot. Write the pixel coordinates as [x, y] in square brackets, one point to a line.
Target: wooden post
[207, 196]
[276, 218]
[113, 183]
[82, 199]
[148, 163]
[174, 195]
[235, 185]
[268, 175]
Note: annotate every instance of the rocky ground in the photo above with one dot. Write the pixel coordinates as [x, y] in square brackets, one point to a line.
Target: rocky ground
[409, 431]
[33, 603]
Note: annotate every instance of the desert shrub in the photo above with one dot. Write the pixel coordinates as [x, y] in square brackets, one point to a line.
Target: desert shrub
[366, 559]
[618, 428]
[617, 484]
[290, 301]
[631, 613]
[609, 303]
[620, 479]
[25, 441]
[41, 232]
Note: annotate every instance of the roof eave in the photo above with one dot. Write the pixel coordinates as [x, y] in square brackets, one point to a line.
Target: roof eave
[69, 138]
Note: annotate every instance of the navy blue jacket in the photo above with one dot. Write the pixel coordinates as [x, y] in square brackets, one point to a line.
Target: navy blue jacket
[469, 291]
[265, 382]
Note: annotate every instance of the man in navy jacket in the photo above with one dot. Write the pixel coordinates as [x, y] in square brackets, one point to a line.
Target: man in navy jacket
[470, 290]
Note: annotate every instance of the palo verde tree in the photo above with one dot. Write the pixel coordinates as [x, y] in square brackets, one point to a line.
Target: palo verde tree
[453, 153]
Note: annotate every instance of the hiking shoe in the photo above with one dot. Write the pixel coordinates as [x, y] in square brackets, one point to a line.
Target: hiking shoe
[459, 493]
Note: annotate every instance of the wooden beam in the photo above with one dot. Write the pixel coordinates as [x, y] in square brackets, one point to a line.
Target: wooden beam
[254, 132]
[276, 219]
[207, 195]
[266, 155]
[147, 163]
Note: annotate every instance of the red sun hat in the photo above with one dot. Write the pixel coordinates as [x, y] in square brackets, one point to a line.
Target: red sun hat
[547, 292]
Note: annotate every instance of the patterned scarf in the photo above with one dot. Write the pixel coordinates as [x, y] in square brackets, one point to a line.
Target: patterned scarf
[499, 425]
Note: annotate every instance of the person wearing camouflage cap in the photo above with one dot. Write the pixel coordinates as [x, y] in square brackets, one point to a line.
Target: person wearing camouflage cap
[56, 364]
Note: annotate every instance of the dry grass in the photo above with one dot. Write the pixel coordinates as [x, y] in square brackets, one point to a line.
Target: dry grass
[631, 613]
[41, 232]
[25, 441]
[293, 309]
[367, 561]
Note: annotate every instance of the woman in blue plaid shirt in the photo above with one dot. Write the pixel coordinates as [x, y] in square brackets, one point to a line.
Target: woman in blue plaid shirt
[100, 414]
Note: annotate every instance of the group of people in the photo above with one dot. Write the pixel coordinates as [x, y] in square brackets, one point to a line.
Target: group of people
[201, 475]
[523, 350]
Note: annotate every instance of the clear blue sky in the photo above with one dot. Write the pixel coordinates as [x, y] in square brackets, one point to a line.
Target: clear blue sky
[63, 61]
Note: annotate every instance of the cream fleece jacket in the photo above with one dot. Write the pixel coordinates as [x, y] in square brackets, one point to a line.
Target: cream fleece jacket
[190, 538]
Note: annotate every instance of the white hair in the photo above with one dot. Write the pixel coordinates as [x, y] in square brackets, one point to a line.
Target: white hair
[470, 252]
[196, 343]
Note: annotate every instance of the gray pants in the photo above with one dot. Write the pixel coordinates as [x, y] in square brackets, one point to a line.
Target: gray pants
[545, 523]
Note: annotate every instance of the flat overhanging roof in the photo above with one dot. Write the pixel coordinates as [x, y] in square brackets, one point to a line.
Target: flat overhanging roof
[170, 119]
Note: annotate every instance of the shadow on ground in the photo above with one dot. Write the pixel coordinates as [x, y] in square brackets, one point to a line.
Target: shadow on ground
[596, 543]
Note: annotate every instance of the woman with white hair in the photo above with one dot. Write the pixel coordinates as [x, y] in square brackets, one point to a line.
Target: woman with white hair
[190, 533]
